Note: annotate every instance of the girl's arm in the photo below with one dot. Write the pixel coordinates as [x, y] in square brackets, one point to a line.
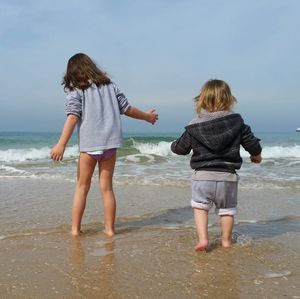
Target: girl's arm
[151, 116]
[58, 150]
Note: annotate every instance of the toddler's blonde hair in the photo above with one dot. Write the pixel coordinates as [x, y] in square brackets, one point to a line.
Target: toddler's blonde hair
[215, 95]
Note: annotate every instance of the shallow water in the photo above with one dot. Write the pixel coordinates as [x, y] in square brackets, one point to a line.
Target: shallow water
[145, 263]
[152, 254]
[148, 160]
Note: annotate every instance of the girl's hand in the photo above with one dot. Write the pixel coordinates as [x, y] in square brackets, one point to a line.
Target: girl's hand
[256, 159]
[152, 116]
[57, 152]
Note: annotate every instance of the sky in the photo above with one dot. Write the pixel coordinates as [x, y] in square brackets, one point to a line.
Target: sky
[159, 52]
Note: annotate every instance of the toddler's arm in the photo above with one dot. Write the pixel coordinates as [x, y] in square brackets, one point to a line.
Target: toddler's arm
[183, 145]
[151, 116]
[58, 150]
[249, 142]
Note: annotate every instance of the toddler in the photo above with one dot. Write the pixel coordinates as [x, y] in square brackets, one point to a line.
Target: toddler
[215, 136]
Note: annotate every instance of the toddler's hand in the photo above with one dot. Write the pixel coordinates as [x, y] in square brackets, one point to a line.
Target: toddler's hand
[256, 159]
[152, 116]
[57, 152]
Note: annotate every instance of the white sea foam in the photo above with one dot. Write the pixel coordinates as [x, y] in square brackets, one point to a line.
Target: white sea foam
[273, 152]
[161, 148]
[277, 275]
[33, 154]
[150, 181]
[12, 170]
[246, 221]
[242, 240]
[153, 163]
[137, 158]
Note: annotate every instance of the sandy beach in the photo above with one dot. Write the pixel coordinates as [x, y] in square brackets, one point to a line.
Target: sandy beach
[89, 76]
[151, 256]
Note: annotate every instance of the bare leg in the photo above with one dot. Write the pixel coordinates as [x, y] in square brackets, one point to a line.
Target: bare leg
[86, 166]
[106, 171]
[201, 220]
[227, 222]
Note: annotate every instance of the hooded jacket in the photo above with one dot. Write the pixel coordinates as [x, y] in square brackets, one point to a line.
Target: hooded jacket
[216, 143]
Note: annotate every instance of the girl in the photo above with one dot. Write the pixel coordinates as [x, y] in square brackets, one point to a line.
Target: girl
[94, 103]
[215, 136]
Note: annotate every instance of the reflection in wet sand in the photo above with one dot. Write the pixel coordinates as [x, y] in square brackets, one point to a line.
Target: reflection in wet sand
[101, 266]
[148, 262]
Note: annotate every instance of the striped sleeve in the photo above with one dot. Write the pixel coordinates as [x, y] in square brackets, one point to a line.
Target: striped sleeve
[74, 103]
[122, 100]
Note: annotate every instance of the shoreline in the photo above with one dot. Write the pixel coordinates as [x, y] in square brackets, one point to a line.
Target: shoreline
[26, 202]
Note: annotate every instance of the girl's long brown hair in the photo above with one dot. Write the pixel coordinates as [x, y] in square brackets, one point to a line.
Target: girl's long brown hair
[82, 72]
[215, 95]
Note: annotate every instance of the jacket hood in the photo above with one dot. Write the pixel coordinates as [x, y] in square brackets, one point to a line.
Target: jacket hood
[217, 134]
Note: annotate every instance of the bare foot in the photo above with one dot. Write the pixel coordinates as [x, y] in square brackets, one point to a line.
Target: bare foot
[226, 244]
[76, 233]
[109, 233]
[202, 245]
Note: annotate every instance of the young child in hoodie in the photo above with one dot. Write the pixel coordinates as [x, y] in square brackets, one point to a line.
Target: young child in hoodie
[215, 136]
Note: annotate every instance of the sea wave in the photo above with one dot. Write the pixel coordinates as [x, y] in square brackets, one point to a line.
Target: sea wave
[33, 154]
[12, 170]
[139, 149]
[276, 152]
[162, 148]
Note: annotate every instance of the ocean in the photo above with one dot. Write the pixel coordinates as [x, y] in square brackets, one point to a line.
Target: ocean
[148, 160]
[151, 255]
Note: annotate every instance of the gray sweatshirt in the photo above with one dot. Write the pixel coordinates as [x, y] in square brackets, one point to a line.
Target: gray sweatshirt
[216, 142]
[99, 109]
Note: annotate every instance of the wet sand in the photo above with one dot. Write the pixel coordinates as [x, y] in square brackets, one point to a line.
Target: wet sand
[151, 256]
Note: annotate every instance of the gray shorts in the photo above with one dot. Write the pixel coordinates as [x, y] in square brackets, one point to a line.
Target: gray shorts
[222, 194]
